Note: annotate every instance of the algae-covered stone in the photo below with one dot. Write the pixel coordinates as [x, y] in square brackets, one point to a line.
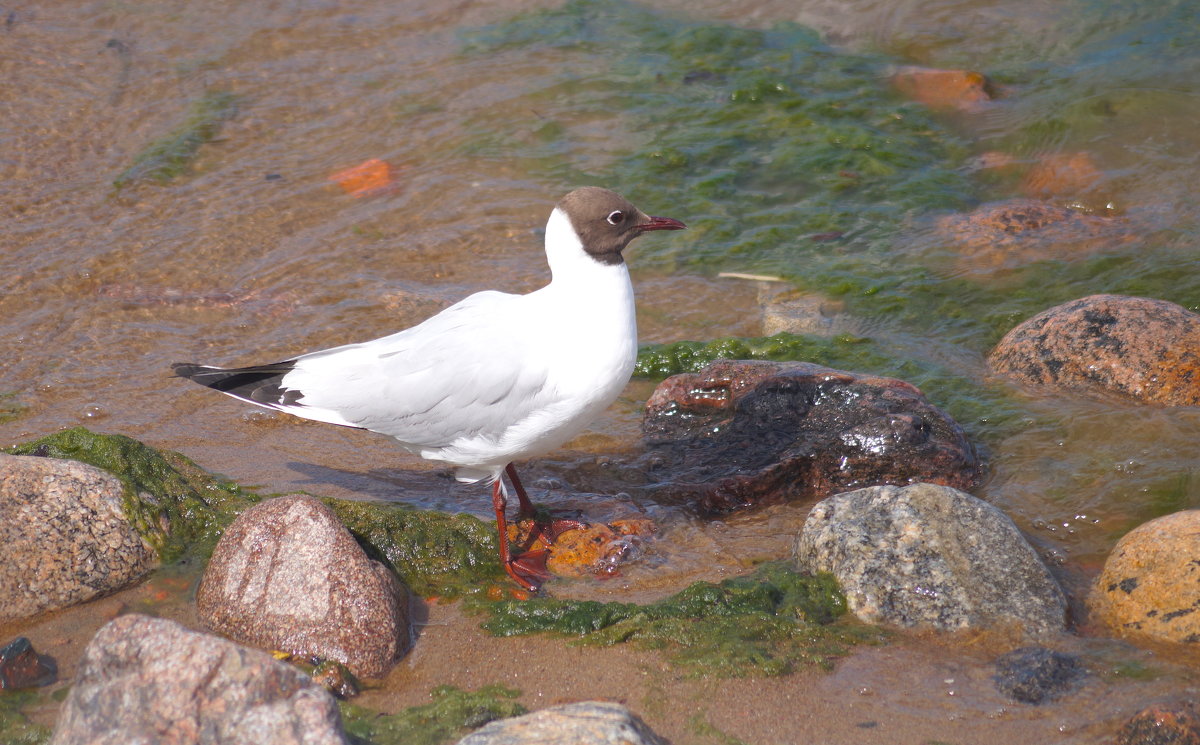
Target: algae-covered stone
[171, 502]
[287, 575]
[66, 535]
[433, 553]
[926, 555]
[592, 722]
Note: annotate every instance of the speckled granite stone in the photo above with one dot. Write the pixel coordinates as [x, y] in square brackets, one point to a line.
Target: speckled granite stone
[64, 534]
[149, 681]
[926, 555]
[287, 575]
[591, 722]
[1150, 584]
[1136, 348]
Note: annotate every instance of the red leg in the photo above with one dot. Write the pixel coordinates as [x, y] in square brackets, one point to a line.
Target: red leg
[526, 506]
[553, 529]
[529, 568]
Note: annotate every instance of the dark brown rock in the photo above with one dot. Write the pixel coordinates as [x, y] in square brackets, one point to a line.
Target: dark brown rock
[65, 535]
[287, 575]
[742, 433]
[1150, 584]
[147, 680]
[1137, 348]
[1035, 675]
[22, 667]
[1162, 724]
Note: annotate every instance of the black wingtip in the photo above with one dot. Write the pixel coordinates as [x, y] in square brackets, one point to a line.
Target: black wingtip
[260, 384]
[187, 369]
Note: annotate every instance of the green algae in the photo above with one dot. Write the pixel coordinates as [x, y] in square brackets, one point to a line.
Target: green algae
[436, 554]
[767, 623]
[786, 156]
[179, 507]
[15, 727]
[171, 156]
[758, 137]
[172, 502]
[451, 714]
[701, 727]
[10, 408]
[658, 361]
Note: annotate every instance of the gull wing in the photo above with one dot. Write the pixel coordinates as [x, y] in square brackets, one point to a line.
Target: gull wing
[464, 372]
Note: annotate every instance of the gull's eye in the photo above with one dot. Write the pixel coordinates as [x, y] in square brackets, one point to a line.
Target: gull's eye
[616, 217]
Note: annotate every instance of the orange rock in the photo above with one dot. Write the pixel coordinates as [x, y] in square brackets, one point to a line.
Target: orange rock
[1061, 174]
[366, 178]
[1150, 585]
[943, 89]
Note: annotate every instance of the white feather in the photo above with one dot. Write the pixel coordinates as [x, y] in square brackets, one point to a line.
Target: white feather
[494, 378]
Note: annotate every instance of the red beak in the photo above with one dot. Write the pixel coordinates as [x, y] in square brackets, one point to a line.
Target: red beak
[661, 223]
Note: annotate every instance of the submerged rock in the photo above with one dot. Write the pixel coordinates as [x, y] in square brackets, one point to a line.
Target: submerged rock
[927, 555]
[22, 667]
[1033, 675]
[742, 433]
[287, 575]
[1137, 348]
[592, 722]
[943, 89]
[1015, 233]
[1150, 584]
[146, 680]
[66, 536]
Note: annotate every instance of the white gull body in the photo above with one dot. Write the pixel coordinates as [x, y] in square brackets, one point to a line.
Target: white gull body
[494, 378]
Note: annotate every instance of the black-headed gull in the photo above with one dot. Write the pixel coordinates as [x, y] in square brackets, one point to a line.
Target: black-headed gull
[493, 378]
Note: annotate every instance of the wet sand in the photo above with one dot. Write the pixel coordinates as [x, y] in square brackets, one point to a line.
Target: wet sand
[258, 256]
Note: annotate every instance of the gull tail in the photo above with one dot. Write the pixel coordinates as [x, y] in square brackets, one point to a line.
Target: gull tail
[261, 384]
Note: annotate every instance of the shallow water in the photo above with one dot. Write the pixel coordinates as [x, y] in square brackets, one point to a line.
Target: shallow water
[257, 255]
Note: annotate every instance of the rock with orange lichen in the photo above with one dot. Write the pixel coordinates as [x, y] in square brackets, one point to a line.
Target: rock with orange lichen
[597, 549]
[1175, 723]
[1150, 584]
[943, 89]
[594, 549]
[1011, 234]
[1137, 348]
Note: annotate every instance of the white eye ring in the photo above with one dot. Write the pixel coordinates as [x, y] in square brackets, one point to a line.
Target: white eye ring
[616, 217]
